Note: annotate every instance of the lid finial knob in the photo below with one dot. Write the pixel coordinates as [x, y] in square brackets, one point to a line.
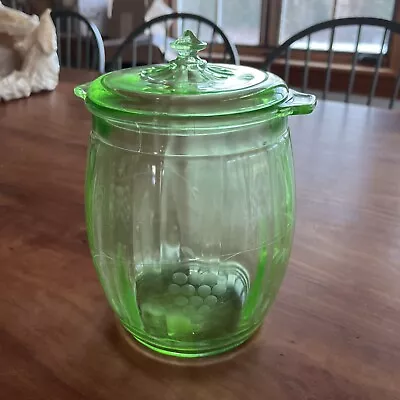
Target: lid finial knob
[188, 45]
[187, 73]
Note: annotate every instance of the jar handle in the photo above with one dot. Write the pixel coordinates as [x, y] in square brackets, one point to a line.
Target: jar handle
[297, 103]
[81, 90]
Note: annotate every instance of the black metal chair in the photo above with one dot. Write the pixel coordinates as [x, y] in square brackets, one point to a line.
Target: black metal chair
[390, 27]
[171, 26]
[79, 41]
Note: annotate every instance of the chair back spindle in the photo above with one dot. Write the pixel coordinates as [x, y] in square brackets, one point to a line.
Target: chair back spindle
[359, 23]
[79, 41]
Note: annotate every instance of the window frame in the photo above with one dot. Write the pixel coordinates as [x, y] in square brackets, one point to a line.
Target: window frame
[269, 38]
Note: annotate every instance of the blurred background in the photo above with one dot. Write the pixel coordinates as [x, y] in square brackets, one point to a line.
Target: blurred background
[257, 27]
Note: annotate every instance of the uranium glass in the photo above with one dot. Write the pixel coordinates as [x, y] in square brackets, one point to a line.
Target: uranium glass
[190, 198]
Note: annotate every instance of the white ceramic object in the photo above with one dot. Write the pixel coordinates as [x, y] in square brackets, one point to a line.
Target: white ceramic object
[28, 54]
[157, 31]
[95, 11]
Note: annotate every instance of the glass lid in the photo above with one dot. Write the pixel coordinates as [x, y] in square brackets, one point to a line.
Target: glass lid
[186, 86]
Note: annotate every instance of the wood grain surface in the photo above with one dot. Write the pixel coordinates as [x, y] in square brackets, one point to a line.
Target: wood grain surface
[333, 333]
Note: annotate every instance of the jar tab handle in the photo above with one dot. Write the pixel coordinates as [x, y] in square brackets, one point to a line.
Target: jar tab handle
[81, 90]
[298, 103]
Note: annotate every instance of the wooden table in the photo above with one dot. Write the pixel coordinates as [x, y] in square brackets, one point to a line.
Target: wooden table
[334, 332]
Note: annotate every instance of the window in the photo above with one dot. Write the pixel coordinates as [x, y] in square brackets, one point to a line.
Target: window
[257, 26]
[243, 23]
[299, 14]
[240, 21]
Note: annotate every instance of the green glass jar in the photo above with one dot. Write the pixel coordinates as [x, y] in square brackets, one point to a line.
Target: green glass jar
[190, 198]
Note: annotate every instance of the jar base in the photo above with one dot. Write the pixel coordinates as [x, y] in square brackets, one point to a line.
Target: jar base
[187, 351]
